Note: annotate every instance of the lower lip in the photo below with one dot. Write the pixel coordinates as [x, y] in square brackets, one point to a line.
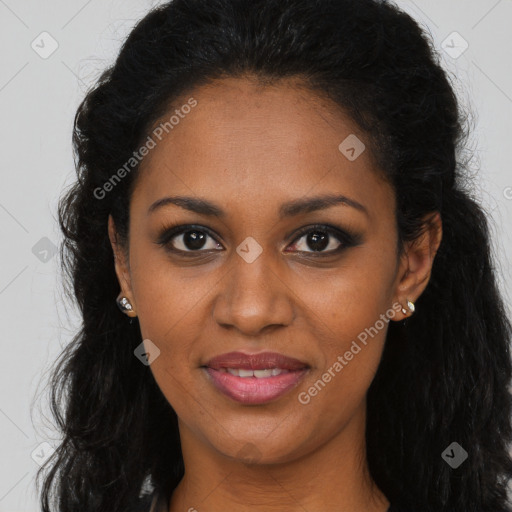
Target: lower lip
[251, 390]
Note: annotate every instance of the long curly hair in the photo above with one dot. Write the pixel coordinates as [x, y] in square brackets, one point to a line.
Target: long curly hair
[445, 372]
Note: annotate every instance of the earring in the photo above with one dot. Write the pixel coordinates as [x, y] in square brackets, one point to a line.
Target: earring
[124, 305]
[411, 307]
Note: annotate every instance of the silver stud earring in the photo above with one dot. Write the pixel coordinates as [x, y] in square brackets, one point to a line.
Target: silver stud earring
[411, 307]
[124, 304]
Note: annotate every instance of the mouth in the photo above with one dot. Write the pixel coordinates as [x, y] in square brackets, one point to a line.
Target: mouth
[255, 378]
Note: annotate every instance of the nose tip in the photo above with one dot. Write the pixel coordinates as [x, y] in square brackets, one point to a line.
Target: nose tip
[253, 298]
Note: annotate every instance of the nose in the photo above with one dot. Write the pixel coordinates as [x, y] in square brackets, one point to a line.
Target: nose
[253, 298]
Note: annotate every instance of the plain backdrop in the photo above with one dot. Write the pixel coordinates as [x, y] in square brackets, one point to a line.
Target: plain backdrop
[51, 52]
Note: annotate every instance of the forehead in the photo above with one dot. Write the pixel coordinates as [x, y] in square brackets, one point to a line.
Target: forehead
[270, 143]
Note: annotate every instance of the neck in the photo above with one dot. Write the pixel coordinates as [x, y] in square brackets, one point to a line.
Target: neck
[332, 477]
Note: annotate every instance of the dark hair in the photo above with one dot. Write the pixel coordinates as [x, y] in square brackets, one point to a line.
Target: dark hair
[444, 373]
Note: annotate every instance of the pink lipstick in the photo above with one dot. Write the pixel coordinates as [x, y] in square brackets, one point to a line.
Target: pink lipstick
[255, 378]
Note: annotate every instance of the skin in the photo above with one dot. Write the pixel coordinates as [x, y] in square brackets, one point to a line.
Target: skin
[249, 148]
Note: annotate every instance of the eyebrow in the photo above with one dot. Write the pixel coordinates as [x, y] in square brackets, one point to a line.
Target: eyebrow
[288, 209]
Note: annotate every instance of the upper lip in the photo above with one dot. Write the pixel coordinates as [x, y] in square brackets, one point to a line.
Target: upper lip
[259, 361]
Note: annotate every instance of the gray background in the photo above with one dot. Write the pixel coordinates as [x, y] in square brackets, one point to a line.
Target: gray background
[38, 99]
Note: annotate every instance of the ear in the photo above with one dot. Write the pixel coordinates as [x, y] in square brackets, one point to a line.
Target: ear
[415, 266]
[121, 265]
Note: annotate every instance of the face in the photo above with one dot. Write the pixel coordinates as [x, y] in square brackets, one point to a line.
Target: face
[260, 271]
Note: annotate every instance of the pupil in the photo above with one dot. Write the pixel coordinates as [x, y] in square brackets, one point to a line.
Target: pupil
[317, 241]
[194, 239]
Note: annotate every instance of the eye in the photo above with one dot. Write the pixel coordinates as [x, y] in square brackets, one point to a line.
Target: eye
[191, 239]
[323, 239]
[317, 240]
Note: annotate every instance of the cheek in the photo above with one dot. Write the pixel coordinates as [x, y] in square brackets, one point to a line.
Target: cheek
[348, 314]
[171, 314]
[167, 299]
[351, 339]
[347, 300]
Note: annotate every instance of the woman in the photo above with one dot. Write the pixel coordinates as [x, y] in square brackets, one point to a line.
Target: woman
[272, 194]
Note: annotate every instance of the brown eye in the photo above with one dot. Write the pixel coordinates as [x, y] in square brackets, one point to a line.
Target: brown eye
[191, 240]
[188, 239]
[323, 240]
[318, 241]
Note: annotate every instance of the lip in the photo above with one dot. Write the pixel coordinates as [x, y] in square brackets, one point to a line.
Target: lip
[254, 390]
[259, 361]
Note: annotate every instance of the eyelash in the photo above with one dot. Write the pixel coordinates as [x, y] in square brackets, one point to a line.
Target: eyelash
[347, 239]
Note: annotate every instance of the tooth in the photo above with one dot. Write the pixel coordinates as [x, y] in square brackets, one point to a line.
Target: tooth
[260, 374]
[263, 373]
